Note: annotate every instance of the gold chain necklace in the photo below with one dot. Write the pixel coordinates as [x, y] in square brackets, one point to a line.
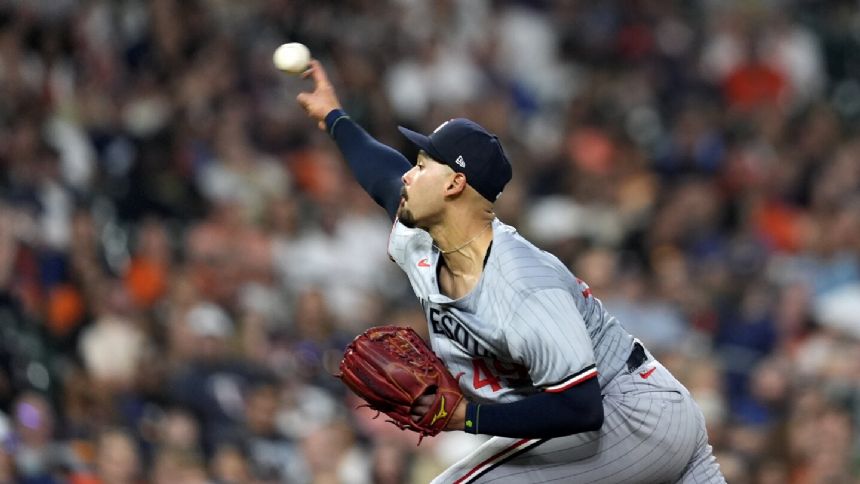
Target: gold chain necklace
[443, 252]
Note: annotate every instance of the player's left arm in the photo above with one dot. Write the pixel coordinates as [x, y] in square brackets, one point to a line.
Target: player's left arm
[540, 416]
[548, 336]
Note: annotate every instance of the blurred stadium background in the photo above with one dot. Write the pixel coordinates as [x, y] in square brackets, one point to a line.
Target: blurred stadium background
[183, 256]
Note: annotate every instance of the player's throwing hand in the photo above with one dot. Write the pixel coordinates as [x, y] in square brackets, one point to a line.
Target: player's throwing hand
[322, 100]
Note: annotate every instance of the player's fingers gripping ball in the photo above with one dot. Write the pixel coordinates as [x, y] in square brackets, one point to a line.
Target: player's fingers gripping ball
[391, 367]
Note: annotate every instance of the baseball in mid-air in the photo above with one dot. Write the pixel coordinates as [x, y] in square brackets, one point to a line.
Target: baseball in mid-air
[292, 57]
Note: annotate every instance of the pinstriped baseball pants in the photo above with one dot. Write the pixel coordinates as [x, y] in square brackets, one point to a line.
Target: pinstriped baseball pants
[653, 432]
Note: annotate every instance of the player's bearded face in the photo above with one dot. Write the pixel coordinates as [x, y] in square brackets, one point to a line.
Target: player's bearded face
[421, 197]
[410, 212]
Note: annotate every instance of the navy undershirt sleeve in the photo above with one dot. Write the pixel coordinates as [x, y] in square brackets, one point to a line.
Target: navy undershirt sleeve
[377, 168]
[542, 415]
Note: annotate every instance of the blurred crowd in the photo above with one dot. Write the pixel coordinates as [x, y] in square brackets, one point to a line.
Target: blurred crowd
[183, 255]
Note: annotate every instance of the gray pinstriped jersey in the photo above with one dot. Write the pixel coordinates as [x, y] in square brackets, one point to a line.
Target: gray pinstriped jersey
[527, 325]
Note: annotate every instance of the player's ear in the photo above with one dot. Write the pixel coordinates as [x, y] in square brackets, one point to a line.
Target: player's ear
[456, 184]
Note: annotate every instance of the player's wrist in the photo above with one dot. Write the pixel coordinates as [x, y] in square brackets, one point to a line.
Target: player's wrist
[334, 116]
[458, 417]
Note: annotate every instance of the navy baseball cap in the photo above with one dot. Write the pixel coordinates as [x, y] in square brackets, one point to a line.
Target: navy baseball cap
[469, 149]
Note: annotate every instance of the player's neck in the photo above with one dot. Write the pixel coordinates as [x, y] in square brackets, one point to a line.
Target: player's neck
[464, 245]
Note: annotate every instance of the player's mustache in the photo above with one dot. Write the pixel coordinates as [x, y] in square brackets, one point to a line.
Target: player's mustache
[403, 193]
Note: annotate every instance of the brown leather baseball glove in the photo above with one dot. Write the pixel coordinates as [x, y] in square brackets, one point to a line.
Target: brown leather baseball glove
[391, 367]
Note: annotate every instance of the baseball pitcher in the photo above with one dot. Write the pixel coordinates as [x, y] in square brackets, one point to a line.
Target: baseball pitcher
[567, 394]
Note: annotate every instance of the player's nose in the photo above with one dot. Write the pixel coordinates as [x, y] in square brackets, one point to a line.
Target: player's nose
[407, 177]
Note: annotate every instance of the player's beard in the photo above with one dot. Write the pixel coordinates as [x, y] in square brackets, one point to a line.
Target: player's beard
[404, 215]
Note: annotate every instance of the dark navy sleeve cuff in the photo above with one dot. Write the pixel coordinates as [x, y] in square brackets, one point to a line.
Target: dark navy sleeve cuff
[332, 118]
[471, 424]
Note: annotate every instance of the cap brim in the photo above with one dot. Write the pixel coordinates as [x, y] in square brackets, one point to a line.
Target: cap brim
[421, 141]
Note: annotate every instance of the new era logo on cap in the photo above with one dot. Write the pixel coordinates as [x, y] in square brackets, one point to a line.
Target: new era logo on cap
[458, 140]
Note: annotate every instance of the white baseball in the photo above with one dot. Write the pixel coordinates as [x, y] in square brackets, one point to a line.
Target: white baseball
[292, 58]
